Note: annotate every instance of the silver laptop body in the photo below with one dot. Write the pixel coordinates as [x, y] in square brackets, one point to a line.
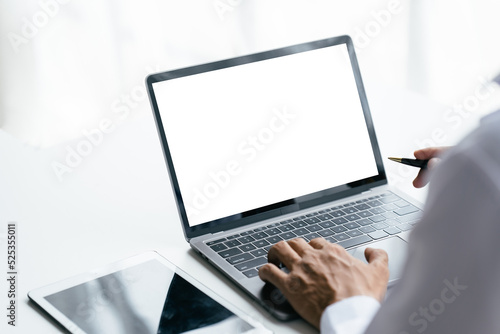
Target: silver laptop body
[272, 146]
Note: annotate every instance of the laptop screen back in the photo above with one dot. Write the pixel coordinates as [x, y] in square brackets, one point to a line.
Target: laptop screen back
[246, 137]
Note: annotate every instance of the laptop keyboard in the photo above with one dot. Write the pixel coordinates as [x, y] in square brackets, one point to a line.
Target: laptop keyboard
[348, 225]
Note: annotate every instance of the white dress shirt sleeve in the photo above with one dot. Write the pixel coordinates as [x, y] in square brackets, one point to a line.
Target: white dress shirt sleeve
[350, 316]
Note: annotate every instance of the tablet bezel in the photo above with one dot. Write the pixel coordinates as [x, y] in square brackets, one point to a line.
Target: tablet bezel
[38, 295]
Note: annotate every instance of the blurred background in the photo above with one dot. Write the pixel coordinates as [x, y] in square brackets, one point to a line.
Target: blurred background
[67, 64]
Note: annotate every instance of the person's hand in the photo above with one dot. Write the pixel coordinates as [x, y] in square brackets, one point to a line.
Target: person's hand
[322, 273]
[431, 153]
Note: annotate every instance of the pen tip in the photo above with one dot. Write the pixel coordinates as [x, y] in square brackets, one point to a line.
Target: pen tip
[395, 159]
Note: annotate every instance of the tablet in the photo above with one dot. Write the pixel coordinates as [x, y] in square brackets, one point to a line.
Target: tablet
[142, 294]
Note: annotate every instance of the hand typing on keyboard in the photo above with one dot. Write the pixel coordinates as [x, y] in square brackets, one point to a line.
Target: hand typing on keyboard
[322, 273]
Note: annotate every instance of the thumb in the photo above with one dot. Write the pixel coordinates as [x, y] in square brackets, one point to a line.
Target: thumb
[377, 257]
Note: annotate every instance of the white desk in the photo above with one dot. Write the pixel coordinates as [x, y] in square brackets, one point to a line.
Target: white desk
[118, 203]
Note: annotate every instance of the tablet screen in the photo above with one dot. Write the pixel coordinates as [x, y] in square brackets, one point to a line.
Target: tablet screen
[148, 297]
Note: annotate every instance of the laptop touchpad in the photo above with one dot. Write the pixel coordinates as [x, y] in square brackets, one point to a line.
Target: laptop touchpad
[395, 247]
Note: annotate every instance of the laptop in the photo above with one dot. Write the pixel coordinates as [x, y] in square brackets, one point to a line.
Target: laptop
[273, 146]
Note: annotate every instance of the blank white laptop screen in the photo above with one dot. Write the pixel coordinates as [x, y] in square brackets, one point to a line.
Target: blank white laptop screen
[248, 136]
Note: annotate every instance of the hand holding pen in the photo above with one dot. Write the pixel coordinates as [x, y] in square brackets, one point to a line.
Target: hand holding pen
[427, 158]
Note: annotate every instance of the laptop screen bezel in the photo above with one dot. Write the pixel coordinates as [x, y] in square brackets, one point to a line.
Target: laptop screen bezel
[287, 206]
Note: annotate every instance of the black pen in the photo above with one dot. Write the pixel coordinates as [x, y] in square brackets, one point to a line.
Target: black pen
[412, 162]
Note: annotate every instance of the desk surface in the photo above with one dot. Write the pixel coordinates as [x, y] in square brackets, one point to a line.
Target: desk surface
[117, 202]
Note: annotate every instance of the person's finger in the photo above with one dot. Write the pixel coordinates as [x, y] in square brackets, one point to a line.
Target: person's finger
[299, 245]
[421, 179]
[376, 257]
[429, 152]
[283, 253]
[274, 275]
[318, 243]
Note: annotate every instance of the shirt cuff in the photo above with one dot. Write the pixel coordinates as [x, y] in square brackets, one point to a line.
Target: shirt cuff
[351, 315]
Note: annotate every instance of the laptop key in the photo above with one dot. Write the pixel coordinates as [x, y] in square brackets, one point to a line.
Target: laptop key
[288, 235]
[340, 221]
[247, 247]
[389, 199]
[406, 210]
[377, 219]
[374, 203]
[367, 229]
[251, 273]
[273, 231]
[210, 243]
[312, 220]
[326, 233]
[331, 239]
[390, 215]
[230, 252]
[260, 243]
[364, 222]
[232, 243]
[392, 230]
[337, 213]
[362, 207]
[240, 258]
[326, 224]
[259, 235]
[246, 239]
[352, 217]
[410, 217]
[338, 229]
[377, 234]
[324, 217]
[355, 241]
[314, 228]
[389, 207]
[259, 252]
[380, 226]
[341, 236]
[251, 264]
[377, 210]
[301, 231]
[351, 225]
[350, 210]
[311, 236]
[286, 228]
[299, 224]
[391, 222]
[218, 247]
[365, 214]
[354, 233]
[274, 239]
